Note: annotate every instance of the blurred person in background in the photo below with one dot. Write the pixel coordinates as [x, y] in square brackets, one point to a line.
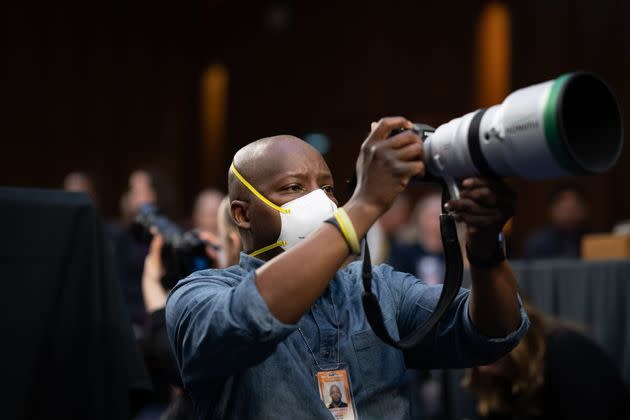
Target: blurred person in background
[394, 220]
[150, 186]
[424, 258]
[418, 251]
[78, 182]
[205, 217]
[131, 245]
[169, 399]
[384, 237]
[562, 238]
[205, 212]
[555, 372]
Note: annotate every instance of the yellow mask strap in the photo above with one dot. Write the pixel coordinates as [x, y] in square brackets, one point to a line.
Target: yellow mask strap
[267, 248]
[259, 195]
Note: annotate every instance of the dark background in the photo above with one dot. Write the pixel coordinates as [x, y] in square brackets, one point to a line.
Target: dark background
[108, 86]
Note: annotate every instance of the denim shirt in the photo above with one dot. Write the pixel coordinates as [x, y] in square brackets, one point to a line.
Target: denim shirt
[238, 361]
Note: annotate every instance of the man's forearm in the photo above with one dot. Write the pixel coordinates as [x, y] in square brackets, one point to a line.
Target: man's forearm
[293, 280]
[493, 307]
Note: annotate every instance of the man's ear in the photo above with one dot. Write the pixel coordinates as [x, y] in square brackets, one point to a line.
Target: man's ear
[239, 209]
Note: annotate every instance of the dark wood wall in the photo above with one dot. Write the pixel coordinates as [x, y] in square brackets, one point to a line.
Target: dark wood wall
[336, 69]
[103, 87]
[111, 86]
[554, 37]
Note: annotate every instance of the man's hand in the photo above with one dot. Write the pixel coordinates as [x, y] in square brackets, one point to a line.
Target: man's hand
[485, 205]
[386, 164]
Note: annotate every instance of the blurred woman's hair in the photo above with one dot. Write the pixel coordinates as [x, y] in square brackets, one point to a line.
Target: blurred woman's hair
[229, 235]
[521, 391]
[227, 225]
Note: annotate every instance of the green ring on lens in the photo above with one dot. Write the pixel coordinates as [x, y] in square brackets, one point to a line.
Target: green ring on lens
[552, 125]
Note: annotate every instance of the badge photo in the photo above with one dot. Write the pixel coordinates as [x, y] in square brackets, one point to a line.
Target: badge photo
[336, 393]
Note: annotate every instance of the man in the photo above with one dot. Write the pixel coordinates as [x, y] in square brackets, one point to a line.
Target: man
[206, 211]
[258, 336]
[424, 257]
[562, 238]
[335, 395]
[158, 357]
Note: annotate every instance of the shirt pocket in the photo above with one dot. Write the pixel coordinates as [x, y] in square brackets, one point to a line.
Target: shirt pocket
[380, 364]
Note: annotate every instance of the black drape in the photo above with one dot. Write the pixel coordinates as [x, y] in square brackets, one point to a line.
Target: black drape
[67, 346]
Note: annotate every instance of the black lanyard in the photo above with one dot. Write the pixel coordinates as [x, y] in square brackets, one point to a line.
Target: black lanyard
[453, 274]
[452, 282]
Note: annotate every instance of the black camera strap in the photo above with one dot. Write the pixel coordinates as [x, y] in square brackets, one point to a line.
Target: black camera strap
[453, 273]
[452, 283]
[452, 276]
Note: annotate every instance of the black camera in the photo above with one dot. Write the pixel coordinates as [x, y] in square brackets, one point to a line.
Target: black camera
[182, 252]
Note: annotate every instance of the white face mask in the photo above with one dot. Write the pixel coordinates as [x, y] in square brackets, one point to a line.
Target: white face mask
[298, 218]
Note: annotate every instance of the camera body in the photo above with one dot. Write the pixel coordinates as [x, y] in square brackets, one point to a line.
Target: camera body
[182, 253]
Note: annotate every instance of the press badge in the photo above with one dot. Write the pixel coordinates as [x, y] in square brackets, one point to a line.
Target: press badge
[336, 393]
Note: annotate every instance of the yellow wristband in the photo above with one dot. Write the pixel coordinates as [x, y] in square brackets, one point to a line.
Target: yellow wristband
[347, 229]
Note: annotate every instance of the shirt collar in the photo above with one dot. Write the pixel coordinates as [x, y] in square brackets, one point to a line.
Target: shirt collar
[250, 263]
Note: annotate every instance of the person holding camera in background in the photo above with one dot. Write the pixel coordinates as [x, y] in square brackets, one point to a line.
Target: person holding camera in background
[158, 355]
[250, 339]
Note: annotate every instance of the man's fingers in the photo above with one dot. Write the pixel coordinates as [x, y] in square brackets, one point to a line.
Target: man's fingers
[489, 192]
[474, 220]
[466, 205]
[387, 125]
[405, 146]
[475, 182]
[482, 195]
[413, 151]
[402, 139]
[495, 184]
[410, 169]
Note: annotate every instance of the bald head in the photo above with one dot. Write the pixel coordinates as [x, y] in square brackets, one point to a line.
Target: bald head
[266, 158]
[281, 169]
[335, 393]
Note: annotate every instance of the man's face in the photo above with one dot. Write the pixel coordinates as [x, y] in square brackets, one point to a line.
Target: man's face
[286, 171]
[335, 393]
[568, 212]
[140, 190]
[205, 216]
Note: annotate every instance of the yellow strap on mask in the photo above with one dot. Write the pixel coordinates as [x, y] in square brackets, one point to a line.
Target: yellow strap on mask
[267, 248]
[259, 195]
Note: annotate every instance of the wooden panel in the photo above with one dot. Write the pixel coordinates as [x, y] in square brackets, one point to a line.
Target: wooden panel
[106, 86]
[551, 38]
